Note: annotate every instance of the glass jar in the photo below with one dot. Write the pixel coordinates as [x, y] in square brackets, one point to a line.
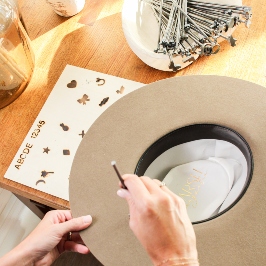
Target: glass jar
[16, 56]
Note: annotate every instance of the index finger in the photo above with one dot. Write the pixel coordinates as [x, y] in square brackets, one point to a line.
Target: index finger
[60, 215]
[136, 187]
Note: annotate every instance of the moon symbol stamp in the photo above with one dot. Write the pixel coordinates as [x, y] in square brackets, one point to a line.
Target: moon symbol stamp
[40, 181]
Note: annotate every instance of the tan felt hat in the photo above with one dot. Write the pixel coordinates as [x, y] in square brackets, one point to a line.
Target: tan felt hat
[130, 126]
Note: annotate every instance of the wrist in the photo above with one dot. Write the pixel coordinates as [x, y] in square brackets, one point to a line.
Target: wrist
[171, 259]
[178, 262]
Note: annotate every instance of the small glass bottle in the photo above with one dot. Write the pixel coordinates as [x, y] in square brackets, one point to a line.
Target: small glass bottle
[16, 56]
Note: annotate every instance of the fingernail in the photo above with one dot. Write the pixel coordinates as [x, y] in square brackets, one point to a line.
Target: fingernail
[87, 219]
[121, 193]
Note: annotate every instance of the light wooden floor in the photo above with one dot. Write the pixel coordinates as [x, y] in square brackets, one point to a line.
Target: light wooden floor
[16, 221]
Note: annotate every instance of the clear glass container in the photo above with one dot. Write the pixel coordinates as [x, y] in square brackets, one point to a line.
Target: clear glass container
[16, 56]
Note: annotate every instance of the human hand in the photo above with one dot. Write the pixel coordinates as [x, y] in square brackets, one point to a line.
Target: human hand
[49, 239]
[159, 219]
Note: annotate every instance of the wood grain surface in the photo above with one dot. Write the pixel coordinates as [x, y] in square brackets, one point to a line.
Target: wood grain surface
[94, 39]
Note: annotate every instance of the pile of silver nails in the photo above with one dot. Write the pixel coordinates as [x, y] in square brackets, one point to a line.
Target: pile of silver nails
[191, 27]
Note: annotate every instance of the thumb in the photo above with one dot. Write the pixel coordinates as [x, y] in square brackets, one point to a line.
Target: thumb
[76, 224]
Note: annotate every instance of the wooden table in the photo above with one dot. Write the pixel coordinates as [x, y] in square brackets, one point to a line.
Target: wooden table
[94, 39]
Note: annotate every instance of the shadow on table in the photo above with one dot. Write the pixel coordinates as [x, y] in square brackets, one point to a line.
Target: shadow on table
[103, 48]
[47, 18]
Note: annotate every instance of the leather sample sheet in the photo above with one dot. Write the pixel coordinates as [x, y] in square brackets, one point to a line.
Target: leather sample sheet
[79, 97]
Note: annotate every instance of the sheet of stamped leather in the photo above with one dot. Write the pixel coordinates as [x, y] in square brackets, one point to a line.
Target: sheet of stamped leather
[79, 97]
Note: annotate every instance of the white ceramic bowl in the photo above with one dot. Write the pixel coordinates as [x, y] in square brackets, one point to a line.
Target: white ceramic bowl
[141, 31]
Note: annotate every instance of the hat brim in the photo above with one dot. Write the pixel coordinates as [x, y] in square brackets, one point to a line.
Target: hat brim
[131, 125]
